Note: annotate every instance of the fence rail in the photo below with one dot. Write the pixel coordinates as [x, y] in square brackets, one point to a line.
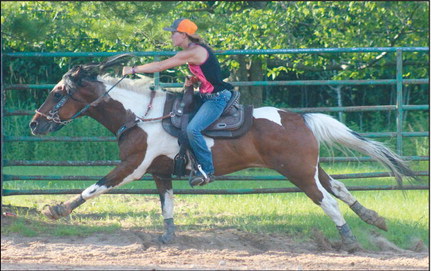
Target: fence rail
[208, 192]
[222, 178]
[399, 107]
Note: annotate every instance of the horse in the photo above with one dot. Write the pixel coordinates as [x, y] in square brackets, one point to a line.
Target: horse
[280, 140]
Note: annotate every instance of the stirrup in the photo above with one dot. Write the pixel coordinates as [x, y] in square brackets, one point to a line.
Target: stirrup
[202, 179]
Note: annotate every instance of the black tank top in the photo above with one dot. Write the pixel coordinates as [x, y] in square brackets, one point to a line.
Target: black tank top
[209, 74]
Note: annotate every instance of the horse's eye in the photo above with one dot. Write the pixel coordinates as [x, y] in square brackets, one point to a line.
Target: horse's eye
[58, 95]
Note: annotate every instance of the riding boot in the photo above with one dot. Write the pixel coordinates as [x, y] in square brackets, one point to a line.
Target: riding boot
[198, 177]
[201, 180]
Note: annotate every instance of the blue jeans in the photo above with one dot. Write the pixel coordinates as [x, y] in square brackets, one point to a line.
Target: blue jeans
[211, 109]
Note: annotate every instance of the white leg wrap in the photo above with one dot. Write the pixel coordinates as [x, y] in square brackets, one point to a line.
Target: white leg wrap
[93, 191]
[329, 204]
[341, 192]
[168, 205]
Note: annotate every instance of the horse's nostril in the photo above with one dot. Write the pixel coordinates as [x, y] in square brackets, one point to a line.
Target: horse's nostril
[33, 124]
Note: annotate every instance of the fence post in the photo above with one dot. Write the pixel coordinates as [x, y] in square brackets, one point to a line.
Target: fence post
[157, 75]
[2, 93]
[399, 103]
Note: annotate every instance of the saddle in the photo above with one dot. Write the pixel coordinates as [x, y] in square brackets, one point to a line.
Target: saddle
[235, 120]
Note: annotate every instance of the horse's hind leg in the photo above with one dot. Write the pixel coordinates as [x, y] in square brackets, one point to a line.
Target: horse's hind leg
[164, 187]
[339, 190]
[310, 184]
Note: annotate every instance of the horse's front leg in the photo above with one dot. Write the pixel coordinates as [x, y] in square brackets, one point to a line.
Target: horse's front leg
[122, 174]
[164, 187]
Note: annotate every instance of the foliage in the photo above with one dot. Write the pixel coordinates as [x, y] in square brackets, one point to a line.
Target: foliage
[137, 26]
[114, 26]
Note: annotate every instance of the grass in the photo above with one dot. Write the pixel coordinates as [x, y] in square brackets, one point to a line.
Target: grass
[338, 168]
[406, 213]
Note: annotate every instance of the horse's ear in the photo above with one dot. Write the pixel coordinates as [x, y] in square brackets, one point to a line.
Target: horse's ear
[79, 73]
[115, 60]
[75, 74]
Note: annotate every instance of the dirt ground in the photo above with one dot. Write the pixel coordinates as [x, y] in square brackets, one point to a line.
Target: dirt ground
[220, 249]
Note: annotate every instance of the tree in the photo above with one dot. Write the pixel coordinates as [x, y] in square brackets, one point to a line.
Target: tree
[137, 26]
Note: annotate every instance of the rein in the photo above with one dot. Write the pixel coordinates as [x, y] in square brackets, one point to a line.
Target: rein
[149, 106]
[133, 123]
[97, 100]
[53, 113]
[170, 115]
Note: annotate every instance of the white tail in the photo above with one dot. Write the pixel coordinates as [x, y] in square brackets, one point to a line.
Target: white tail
[328, 130]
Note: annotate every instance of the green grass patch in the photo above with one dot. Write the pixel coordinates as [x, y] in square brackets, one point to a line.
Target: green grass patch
[34, 224]
[406, 213]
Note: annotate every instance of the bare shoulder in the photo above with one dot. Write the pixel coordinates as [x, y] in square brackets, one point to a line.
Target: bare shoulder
[196, 53]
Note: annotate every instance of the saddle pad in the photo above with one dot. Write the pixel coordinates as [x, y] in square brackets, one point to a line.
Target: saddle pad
[228, 126]
[225, 122]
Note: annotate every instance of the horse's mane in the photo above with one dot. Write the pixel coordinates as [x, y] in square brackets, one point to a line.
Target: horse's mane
[92, 71]
[141, 85]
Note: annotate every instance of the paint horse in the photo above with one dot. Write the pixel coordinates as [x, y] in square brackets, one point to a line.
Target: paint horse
[280, 140]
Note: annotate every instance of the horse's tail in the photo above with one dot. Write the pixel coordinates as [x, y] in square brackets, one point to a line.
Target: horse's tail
[329, 130]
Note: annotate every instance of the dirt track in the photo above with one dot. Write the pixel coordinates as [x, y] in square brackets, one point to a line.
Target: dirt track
[227, 249]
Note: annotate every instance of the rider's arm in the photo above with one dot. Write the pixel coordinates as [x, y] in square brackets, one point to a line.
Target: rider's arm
[179, 59]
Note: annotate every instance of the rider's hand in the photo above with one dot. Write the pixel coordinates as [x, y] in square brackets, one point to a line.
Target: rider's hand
[191, 81]
[188, 82]
[128, 70]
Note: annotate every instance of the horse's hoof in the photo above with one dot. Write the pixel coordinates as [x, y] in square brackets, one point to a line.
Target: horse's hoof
[373, 218]
[380, 223]
[369, 216]
[351, 247]
[55, 212]
[167, 238]
[48, 212]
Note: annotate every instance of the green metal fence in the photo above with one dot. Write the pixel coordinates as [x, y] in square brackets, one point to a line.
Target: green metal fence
[399, 108]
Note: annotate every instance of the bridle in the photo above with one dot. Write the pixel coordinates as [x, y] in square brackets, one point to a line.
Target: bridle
[55, 117]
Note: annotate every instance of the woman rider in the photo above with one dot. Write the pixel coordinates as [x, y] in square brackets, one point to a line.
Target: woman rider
[214, 92]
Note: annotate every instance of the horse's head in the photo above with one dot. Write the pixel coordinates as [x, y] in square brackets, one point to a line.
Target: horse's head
[78, 88]
[71, 97]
